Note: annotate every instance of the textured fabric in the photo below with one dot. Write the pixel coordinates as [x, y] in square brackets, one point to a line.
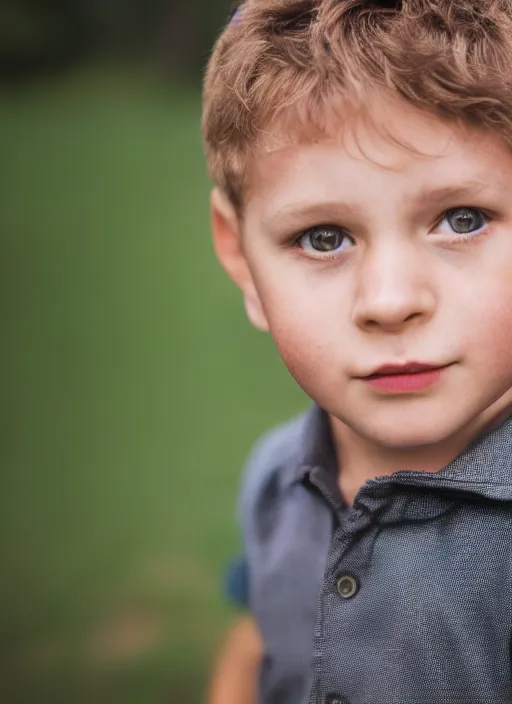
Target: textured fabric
[428, 554]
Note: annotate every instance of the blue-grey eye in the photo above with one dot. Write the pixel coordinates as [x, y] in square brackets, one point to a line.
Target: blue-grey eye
[465, 220]
[325, 239]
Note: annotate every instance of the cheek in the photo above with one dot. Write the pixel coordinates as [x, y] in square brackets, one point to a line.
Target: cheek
[494, 331]
[308, 358]
[488, 321]
[307, 329]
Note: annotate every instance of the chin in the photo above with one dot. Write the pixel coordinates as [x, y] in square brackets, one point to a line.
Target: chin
[411, 433]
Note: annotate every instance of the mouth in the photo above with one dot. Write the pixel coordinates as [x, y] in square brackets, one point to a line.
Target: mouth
[409, 368]
[405, 378]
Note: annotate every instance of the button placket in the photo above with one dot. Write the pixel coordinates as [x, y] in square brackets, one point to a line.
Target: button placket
[337, 577]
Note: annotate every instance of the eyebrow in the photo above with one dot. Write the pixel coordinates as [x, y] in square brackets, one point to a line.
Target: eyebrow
[466, 189]
[290, 213]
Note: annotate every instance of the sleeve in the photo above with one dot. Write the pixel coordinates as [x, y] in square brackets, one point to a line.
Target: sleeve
[236, 582]
[259, 468]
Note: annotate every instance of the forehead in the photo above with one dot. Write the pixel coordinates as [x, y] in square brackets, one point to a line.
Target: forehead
[393, 146]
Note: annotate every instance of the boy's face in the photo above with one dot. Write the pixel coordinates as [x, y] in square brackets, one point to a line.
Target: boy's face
[359, 254]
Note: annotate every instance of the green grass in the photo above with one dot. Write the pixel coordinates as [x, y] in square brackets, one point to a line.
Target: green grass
[132, 389]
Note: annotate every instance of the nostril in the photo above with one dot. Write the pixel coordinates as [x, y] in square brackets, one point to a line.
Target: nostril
[412, 316]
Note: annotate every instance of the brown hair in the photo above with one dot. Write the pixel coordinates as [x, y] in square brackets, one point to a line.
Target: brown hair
[280, 65]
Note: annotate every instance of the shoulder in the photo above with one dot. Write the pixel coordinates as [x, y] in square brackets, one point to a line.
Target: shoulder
[271, 464]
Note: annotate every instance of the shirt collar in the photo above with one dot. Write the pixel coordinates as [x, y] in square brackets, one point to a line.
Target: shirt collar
[315, 447]
[483, 468]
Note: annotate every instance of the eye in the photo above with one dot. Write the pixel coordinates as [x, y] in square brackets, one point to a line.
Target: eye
[463, 221]
[325, 239]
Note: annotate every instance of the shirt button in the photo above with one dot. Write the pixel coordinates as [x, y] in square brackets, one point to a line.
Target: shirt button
[347, 586]
[335, 699]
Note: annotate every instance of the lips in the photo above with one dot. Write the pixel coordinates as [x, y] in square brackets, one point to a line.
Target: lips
[403, 369]
[404, 378]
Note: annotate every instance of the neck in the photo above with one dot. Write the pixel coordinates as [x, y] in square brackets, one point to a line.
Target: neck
[362, 459]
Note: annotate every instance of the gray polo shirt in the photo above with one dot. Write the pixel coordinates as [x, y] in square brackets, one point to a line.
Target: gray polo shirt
[403, 598]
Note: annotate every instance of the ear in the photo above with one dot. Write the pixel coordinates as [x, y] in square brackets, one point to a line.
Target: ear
[228, 245]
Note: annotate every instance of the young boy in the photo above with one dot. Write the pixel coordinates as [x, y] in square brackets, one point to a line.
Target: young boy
[363, 204]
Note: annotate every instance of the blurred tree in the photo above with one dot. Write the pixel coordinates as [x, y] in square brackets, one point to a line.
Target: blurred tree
[189, 32]
[39, 35]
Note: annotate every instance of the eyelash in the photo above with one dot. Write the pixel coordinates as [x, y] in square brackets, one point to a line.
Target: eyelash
[456, 238]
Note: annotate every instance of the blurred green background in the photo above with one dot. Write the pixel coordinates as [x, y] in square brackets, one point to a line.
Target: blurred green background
[132, 385]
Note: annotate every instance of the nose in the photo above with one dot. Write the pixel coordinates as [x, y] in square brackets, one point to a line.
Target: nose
[394, 289]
